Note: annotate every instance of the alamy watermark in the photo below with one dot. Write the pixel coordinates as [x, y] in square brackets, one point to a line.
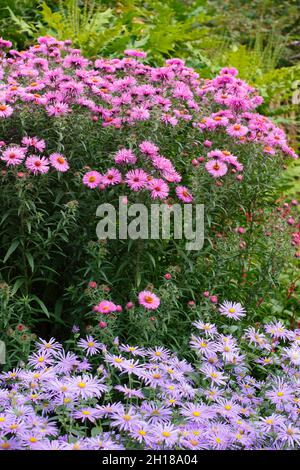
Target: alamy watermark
[138, 221]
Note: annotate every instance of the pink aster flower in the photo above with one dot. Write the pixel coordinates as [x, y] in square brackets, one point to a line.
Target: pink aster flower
[125, 156]
[136, 179]
[59, 162]
[112, 177]
[37, 164]
[13, 156]
[159, 189]
[39, 144]
[5, 110]
[105, 306]
[216, 168]
[135, 53]
[237, 130]
[148, 148]
[148, 300]
[92, 179]
[232, 310]
[57, 109]
[183, 194]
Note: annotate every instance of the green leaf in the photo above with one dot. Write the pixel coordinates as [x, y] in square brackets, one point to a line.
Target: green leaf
[41, 304]
[11, 249]
[30, 260]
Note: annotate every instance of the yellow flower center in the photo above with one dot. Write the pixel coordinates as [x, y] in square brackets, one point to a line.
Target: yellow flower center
[81, 384]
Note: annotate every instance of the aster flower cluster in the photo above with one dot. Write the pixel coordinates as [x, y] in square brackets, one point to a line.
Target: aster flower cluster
[29, 154]
[53, 78]
[160, 173]
[240, 393]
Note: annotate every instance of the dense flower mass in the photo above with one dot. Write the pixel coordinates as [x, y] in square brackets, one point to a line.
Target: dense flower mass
[55, 79]
[225, 400]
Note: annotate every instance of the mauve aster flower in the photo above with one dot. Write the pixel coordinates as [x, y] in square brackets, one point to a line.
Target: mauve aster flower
[148, 300]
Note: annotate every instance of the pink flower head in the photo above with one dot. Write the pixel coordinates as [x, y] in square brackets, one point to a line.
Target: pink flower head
[148, 300]
[148, 148]
[136, 179]
[91, 179]
[129, 305]
[168, 276]
[184, 194]
[39, 144]
[213, 299]
[125, 156]
[207, 143]
[159, 189]
[291, 221]
[5, 110]
[37, 164]
[59, 162]
[216, 168]
[105, 307]
[135, 53]
[13, 155]
[237, 130]
[112, 177]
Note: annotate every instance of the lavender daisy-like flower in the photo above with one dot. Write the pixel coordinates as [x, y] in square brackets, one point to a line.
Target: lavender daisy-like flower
[87, 413]
[90, 345]
[87, 386]
[197, 412]
[232, 310]
[289, 434]
[166, 434]
[125, 419]
[129, 392]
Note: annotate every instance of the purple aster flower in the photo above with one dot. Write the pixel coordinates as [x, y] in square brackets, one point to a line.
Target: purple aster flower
[289, 434]
[125, 419]
[232, 310]
[197, 412]
[90, 345]
[86, 413]
[129, 392]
